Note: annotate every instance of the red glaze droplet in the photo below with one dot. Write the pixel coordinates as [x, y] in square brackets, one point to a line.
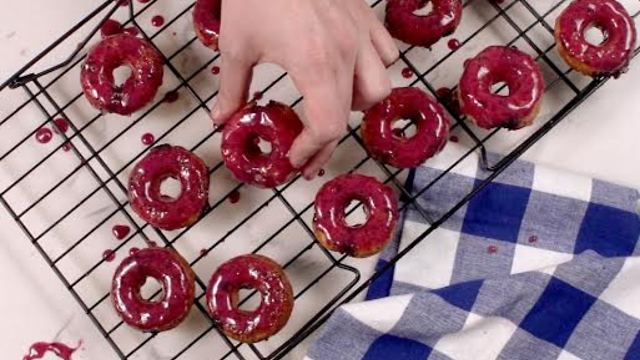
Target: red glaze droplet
[148, 139]
[152, 244]
[109, 255]
[171, 97]
[321, 172]
[157, 21]
[215, 70]
[407, 73]
[453, 44]
[257, 95]
[174, 33]
[133, 31]
[454, 139]
[66, 147]
[44, 135]
[204, 252]
[143, 1]
[443, 92]
[234, 197]
[40, 349]
[133, 251]
[120, 231]
[124, 3]
[533, 239]
[492, 249]
[61, 125]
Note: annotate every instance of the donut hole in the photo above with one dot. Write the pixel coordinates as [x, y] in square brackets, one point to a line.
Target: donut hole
[355, 213]
[121, 74]
[250, 300]
[500, 88]
[151, 290]
[170, 189]
[595, 35]
[425, 9]
[259, 146]
[404, 129]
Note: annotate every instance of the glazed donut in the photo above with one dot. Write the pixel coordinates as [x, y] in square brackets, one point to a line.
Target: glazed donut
[206, 21]
[359, 241]
[430, 119]
[612, 56]
[178, 288]
[138, 90]
[275, 123]
[494, 65]
[420, 30]
[162, 211]
[254, 272]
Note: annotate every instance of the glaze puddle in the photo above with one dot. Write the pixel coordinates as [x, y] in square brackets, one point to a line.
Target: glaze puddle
[44, 135]
[40, 349]
[147, 139]
[407, 73]
[120, 231]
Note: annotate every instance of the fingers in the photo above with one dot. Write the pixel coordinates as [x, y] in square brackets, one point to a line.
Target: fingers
[314, 165]
[372, 84]
[383, 42]
[235, 80]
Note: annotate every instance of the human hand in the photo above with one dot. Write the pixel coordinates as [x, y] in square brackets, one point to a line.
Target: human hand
[335, 51]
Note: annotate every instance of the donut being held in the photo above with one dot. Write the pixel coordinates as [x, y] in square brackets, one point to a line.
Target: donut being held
[380, 206]
[494, 65]
[253, 272]
[160, 210]
[612, 56]
[276, 124]
[98, 83]
[206, 22]
[178, 288]
[422, 30]
[385, 145]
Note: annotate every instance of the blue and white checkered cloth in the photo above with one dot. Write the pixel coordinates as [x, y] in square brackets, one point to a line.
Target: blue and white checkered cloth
[540, 265]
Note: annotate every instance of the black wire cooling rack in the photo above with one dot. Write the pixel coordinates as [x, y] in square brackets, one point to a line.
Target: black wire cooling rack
[67, 196]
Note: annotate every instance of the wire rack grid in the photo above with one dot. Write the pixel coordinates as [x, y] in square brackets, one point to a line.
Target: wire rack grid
[67, 195]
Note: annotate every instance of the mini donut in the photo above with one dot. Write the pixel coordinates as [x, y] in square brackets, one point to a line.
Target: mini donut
[254, 272]
[138, 90]
[380, 205]
[518, 71]
[420, 30]
[274, 123]
[178, 288]
[383, 143]
[609, 58]
[162, 211]
[206, 22]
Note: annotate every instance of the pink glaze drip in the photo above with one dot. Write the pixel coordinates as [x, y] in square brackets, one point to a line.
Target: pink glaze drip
[215, 70]
[497, 64]
[492, 249]
[419, 30]
[44, 135]
[532, 239]
[204, 252]
[163, 312]
[454, 139]
[257, 96]
[147, 139]
[109, 255]
[124, 3]
[382, 142]
[364, 240]
[138, 90]
[66, 147]
[171, 97]
[206, 21]
[250, 272]
[61, 125]
[407, 73]
[275, 123]
[321, 172]
[40, 349]
[453, 44]
[110, 27]
[234, 197]
[157, 20]
[610, 57]
[133, 251]
[161, 163]
[120, 231]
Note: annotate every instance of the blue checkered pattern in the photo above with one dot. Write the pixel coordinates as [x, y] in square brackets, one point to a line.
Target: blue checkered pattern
[540, 265]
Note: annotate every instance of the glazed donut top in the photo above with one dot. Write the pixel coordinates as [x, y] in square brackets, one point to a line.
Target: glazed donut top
[614, 54]
[493, 65]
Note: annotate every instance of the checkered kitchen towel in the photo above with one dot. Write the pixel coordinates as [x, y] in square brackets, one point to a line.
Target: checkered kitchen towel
[540, 265]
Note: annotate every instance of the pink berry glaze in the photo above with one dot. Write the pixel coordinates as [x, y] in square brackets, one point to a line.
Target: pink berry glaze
[161, 211]
[138, 90]
[178, 289]
[254, 272]
[44, 135]
[41, 349]
[430, 119]
[360, 241]
[609, 58]
[497, 64]
[206, 22]
[425, 30]
[275, 123]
